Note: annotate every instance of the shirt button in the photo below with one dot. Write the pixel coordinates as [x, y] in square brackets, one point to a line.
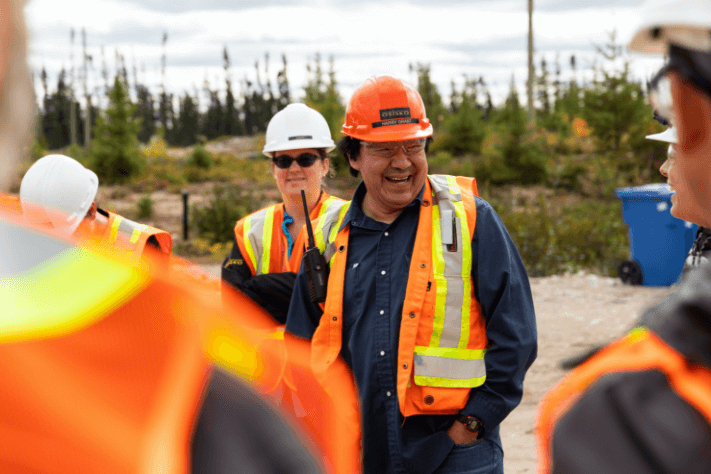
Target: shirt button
[429, 400]
[404, 366]
[383, 272]
[388, 393]
[382, 311]
[412, 315]
[382, 353]
[386, 234]
[355, 265]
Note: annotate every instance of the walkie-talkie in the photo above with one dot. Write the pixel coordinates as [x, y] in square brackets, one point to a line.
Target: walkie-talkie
[314, 263]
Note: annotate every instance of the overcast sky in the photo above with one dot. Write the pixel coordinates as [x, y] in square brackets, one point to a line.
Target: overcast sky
[475, 37]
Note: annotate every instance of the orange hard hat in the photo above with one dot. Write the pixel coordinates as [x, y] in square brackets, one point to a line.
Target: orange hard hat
[385, 108]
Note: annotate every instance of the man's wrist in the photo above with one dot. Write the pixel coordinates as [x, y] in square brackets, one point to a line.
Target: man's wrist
[472, 424]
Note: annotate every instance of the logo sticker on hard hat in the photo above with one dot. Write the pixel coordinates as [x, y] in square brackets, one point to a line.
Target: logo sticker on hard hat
[301, 137]
[396, 116]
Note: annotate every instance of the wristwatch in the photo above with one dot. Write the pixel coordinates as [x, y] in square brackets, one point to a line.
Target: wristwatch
[472, 423]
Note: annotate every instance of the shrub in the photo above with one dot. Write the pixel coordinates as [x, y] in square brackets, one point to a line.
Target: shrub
[215, 221]
[156, 148]
[145, 207]
[589, 234]
[200, 158]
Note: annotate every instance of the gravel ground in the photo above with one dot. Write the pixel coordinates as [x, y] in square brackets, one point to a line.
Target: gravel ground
[574, 313]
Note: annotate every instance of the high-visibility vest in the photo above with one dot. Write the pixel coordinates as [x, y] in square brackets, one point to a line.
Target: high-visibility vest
[129, 236]
[105, 362]
[11, 203]
[442, 331]
[639, 351]
[263, 244]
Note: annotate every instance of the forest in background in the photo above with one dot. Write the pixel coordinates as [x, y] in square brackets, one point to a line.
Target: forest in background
[586, 141]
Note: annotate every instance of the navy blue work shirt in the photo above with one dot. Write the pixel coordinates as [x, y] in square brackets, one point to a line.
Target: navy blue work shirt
[376, 276]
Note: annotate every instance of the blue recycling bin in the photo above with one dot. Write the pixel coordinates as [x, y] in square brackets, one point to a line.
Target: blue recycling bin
[659, 242]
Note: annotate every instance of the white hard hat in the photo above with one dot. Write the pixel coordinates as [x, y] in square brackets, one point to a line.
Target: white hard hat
[686, 23]
[297, 126]
[668, 136]
[62, 187]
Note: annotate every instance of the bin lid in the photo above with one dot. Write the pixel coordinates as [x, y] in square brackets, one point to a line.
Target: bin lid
[655, 190]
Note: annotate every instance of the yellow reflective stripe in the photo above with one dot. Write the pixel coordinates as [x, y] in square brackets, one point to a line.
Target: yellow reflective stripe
[248, 242]
[440, 280]
[318, 234]
[442, 382]
[114, 229]
[451, 352]
[267, 240]
[637, 334]
[341, 216]
[453, 186]
[136, 234]
[64, 295]
[466, 274]
[234, 354]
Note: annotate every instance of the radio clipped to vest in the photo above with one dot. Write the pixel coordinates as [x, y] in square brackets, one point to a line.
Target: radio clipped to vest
[314, 263]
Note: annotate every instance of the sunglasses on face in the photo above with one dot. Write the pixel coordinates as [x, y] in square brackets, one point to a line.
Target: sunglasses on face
[390, 149]
[304, 160]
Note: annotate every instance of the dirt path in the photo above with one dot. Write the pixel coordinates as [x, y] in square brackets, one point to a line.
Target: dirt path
[574, 313]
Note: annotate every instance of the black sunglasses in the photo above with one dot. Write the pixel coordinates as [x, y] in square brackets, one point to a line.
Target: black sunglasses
[304, 160]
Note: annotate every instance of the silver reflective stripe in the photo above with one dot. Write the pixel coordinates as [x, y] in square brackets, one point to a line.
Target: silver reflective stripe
[440, 186]
[22, 249]
[129, 233]
[451, 330]
[449, 368]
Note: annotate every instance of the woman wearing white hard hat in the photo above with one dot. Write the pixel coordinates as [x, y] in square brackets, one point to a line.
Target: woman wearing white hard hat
[264, 254]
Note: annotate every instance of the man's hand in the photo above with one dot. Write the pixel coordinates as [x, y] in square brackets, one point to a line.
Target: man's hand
[461, 435]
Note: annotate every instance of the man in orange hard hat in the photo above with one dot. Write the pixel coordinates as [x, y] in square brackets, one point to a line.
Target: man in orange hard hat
[643, 403]
[110, 366]
[427, 298]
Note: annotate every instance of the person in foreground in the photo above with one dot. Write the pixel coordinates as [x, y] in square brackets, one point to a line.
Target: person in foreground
[643, 403]
[427, 301]
[113, 367]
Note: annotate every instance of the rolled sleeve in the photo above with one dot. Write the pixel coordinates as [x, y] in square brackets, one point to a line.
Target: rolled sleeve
[503, 291]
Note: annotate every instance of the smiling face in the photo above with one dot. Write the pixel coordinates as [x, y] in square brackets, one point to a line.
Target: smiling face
[293, 179]
[391, 183]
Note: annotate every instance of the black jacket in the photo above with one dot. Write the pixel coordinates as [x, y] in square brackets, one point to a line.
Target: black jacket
[633, 422]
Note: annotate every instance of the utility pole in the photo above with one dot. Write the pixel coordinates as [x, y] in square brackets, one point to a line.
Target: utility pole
[531, 70]
[72, 100]
[87, 97]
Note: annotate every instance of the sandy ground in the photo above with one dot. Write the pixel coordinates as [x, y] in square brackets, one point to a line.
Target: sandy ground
[574, 313]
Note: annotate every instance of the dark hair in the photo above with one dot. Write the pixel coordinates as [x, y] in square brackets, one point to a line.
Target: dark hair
[350, 148]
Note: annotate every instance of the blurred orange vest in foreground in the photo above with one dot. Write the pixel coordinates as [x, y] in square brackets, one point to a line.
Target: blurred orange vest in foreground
[640, 350]
[104, 364]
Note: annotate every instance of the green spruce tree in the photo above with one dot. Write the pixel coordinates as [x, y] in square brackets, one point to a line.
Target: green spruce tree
[115, 155]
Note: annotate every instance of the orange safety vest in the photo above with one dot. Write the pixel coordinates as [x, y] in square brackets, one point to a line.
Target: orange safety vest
[130, 236]
[442, 332]
[109, 377]
[11, 203]
[639, 350]
[263, 244]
